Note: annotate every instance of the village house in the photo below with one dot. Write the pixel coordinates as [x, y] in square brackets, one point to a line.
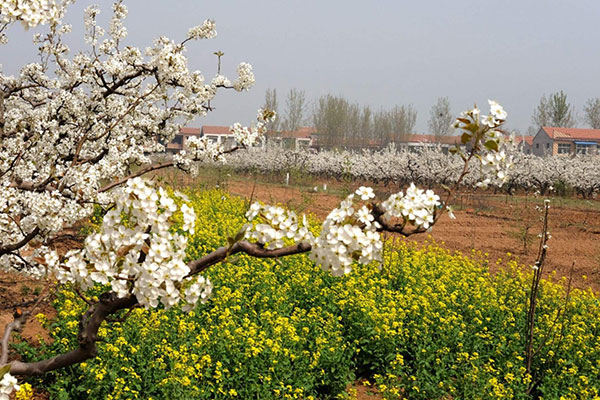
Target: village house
[550, 141]
[417, 142]
[524, 144]
[219, 134]
[411, 142]
[301, 138]
[178, 142]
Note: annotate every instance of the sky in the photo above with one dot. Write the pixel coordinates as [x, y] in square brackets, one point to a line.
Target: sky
[380, 53]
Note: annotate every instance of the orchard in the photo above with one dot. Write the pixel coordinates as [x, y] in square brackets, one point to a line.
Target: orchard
[78, 135]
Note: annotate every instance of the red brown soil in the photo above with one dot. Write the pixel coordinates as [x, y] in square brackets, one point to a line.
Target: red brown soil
[17, 292]
[490, 224]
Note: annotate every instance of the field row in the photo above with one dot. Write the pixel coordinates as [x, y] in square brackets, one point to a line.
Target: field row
[579, 175]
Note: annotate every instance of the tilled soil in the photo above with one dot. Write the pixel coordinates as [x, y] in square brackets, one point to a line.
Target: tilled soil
[501, 227]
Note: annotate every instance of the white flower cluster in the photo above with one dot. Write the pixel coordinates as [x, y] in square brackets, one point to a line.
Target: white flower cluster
[496, 164]
[493, 120]
[202, 148]
[205, 31]
[220, 81]
[7, 385]
[277, 226]
[136, 251]
[417, 206]
[245, 78]
[492, 147]
[251, 136]
[76, 123]
[92, 30]
[116, 29]
[496, 116]
[348, 234]
[199, 290]
[167, 56]
[30, 13]
[247, 136]
[496, 159]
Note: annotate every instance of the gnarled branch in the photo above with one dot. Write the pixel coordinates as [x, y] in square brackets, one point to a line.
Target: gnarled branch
[108, 304]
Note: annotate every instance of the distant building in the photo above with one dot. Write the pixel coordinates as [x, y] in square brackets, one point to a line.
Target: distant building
[301, 138]
[411, 142]
[219, 134]
[524, 144]
[178, 142]
[416, 142]
[551, 141]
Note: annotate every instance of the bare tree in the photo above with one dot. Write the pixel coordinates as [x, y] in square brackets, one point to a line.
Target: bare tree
[592, 113]
[341, 123]
[382, 127]
[366, 126]
[440, 117]
[393, 125]
[554, 110]
[272, 104]
[295, 103]
[330, 120]
[403, 120]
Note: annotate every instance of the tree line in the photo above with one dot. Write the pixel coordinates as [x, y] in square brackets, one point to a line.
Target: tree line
[342, 123]
[555, 110]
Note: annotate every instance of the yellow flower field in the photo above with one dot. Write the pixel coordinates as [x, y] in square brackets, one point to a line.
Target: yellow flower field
[427, 325]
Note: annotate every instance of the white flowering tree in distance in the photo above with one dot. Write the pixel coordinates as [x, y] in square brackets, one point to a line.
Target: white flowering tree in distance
[79, 129]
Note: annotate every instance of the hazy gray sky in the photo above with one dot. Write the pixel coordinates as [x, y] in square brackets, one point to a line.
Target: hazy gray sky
[380, 53]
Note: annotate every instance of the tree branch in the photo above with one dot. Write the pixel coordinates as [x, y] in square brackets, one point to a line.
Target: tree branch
[88, 336]
[378, 212]
[15, 326]
[252, 249]
[141, 172]
[12, 247]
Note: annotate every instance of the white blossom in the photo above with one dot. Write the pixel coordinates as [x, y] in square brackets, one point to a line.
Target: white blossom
[417, 206]
[245, 78]
[30, 13]
[205, 31]
[135, 250]
[8, 384]
[365, 193]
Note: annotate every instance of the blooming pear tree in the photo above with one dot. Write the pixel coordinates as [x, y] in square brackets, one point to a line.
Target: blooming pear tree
[77, 130]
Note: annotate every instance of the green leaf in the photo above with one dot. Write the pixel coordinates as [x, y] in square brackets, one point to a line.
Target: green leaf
[491, 145]
[240, 235]
[4, 370]
[466, 136]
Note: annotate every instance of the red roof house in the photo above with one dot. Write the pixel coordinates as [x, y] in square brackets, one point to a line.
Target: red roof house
[555, 140]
